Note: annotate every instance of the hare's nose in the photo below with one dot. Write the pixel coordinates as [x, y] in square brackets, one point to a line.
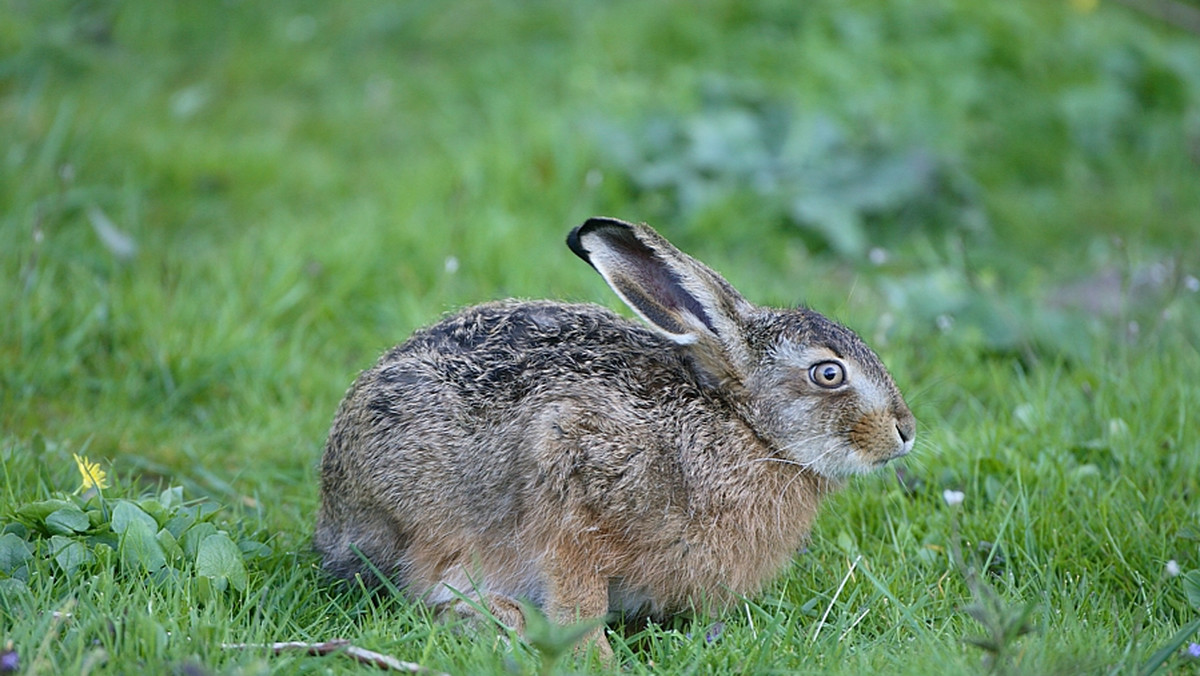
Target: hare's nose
[906, 428]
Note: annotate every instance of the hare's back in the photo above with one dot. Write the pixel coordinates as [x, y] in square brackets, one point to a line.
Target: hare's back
[499, 354]
[473, 381]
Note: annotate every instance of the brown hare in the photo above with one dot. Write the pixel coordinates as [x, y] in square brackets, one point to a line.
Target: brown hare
[563, 455]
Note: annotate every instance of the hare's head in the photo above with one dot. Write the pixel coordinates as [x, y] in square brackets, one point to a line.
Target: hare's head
[807, 385]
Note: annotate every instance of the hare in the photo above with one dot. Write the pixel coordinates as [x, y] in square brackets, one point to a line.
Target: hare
[563, 455]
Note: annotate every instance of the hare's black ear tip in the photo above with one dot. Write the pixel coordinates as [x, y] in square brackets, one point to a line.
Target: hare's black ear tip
[574, 240]
[574, 243]
[602, 222]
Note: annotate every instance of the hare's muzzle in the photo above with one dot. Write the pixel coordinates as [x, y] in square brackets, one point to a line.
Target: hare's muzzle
[906, 433]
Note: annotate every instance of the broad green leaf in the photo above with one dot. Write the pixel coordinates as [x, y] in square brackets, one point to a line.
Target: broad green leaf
[253, 549]
[180, 523]
[110, 541]
[16, 528]
[207, 587]
[104, 548]
[167, 577]
[219, 558]
[126, 513]
[68, 521]
[206, 509]
[155, 509]
[169, 544]
[12, 590]
[38, 511]
[1191, 587]
[171, 498]
[14, 553]
[69, 554]
[140, 548]
[192, 538]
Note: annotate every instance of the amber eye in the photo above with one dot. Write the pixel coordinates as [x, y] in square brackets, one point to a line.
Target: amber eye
[828, 374]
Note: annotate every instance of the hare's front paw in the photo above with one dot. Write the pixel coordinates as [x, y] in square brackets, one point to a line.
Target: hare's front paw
[485, 611]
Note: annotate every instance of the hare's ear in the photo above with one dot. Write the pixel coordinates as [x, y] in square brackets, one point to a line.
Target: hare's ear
[683, 298]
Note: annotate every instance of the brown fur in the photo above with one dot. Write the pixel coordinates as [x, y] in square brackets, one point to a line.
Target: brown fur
[566, 456]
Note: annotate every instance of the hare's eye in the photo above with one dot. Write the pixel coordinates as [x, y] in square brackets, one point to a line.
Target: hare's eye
[828, 374]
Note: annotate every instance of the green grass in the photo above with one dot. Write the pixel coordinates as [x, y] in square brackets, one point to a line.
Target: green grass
[296, 179]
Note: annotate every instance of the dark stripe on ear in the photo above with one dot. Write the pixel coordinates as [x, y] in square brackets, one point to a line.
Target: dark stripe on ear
[689, 301]
[654, 312]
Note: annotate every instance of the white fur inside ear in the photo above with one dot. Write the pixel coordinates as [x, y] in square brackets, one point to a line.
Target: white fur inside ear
[684, 339]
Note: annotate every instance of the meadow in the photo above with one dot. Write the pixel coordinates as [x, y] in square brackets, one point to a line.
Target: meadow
[213, 215]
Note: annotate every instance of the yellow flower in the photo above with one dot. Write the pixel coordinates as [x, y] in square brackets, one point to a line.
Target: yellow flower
[91, 474]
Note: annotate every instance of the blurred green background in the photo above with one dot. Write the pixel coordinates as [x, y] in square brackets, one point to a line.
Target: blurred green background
[212, 215]
[211, 207]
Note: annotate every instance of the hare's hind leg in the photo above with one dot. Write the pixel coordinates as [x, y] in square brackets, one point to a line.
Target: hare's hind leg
[577, 592]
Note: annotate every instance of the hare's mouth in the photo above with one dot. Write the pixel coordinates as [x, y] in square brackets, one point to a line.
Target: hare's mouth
[904, 449]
